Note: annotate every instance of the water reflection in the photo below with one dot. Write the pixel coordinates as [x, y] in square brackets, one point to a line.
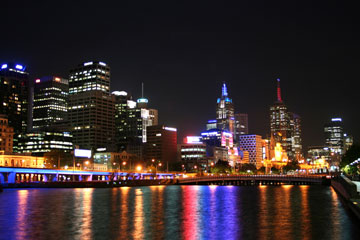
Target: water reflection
[176, 212]
[20, 216]
[190, 217]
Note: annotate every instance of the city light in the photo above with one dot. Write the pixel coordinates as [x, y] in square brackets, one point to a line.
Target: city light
[18, 66]
[170, 129]
[193, 139]
[4, 66]
[138, 168]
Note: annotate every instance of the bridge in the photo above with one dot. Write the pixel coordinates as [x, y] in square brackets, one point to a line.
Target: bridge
[248, 180]
[43, 175]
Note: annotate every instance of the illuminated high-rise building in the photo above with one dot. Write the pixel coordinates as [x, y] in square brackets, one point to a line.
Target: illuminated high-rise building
[50, 102]
[50, 129]
[131, 121]
[334, 136]
[296, 140]
[91, 106]
[241, 124]
[253, 144]
[161, 145]
[285, 127]
[14, 98]
[225, 119]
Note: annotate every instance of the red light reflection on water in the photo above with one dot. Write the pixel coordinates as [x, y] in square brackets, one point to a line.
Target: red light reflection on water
[190, 217]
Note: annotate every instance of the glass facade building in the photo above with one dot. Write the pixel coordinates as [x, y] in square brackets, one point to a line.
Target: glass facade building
[14, 98]
[91, 107]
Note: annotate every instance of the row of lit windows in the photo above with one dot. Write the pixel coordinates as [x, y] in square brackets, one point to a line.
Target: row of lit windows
[193, 150]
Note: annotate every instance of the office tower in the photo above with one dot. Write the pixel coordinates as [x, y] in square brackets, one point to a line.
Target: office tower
[6, 135]
[122, 103]
[161, 145]
[14, 88]
[154, 116]
[91, 108]
[253, 144]
[45, 141]
[193, 153]
[131, 120]
[241, 124]
[334, 136]
[280, 125]
[225, 112]
[211, 124]
[296, 141]
[50, 102]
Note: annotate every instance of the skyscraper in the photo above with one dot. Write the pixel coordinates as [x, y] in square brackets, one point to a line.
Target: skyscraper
[296, 140]
[161, 145]
[334, 136]
[225, 112]
[14, 98]
[51, 131]
[91, 107]
[50, 102]
[241, 124]
[285, 127]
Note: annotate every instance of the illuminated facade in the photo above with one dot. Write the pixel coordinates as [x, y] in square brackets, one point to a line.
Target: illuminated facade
[296, 140]
[91, 107]
[50, 102]
[161, 144]
[42, 142]
[225, 119]
[6, 135]
[193, 153]
[131, 121]
[216, 138]
[25, 161]
[211, 124]
[253, 144]
[14, 97]
[334, 136]
[285, 127]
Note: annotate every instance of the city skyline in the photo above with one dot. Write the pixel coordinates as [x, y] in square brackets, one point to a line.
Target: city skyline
[247, 50]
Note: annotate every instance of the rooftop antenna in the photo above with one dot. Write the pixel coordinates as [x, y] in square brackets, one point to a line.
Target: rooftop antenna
[278, 90]
[142, 90]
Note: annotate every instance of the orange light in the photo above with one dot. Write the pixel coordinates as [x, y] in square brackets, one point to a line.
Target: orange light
[57, 79]
[139, 168]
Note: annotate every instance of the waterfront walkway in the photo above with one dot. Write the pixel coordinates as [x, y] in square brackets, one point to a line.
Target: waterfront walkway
[357, 185]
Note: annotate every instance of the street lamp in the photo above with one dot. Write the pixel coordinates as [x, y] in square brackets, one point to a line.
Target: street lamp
[139, 168]
[124, 164]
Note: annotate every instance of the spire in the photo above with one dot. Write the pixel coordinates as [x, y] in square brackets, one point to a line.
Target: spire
[278, 91]
[224, 90]
[142, 90]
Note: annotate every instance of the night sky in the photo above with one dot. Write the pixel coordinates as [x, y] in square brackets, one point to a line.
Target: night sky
[184, 51]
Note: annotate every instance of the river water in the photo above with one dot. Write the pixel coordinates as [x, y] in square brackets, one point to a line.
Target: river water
[176, 212]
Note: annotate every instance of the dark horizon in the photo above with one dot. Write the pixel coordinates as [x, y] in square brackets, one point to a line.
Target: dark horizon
[183, 53]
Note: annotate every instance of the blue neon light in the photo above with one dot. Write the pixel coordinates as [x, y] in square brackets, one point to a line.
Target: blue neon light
[228, 99]
[224, 90]
[4, 66]
[212, 121]
[18, 66]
